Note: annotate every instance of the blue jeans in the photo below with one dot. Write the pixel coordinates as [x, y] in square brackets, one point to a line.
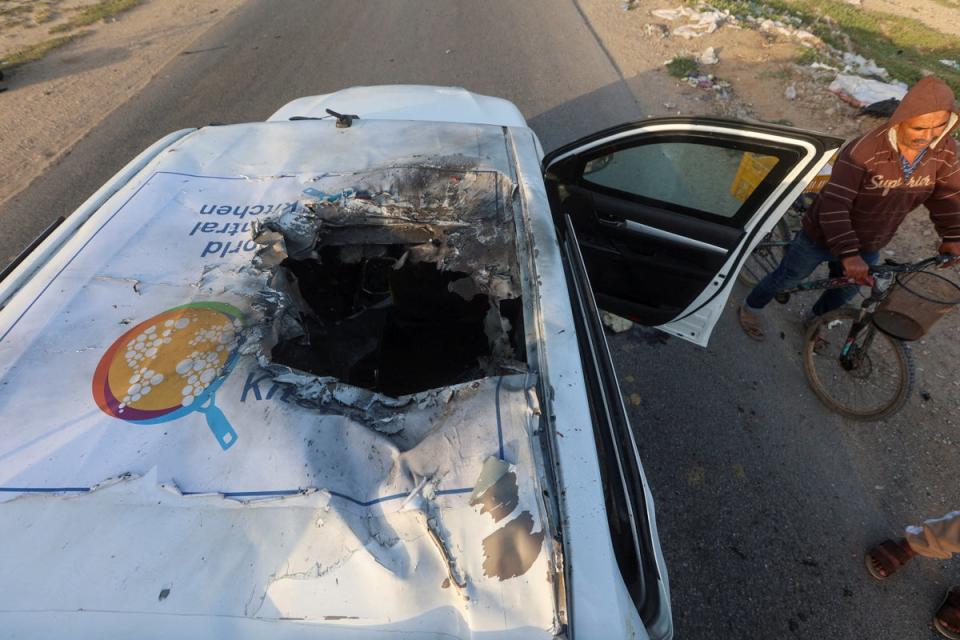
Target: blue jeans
[802, 258]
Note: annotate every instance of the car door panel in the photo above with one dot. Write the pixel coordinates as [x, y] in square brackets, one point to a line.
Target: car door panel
[652, 262]
[666, 210]
[615, 211]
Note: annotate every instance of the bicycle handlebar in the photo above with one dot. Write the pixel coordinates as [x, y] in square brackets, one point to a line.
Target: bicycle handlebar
[916, 266]
[881, 270]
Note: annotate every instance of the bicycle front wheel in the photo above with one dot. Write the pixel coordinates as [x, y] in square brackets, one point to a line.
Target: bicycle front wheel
[872, 380]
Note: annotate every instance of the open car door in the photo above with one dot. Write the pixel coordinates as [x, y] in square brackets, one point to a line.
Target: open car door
[666, 210]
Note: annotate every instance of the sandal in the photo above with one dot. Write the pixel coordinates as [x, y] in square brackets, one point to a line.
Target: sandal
[750, 324]
[947, 619]
[886, 558]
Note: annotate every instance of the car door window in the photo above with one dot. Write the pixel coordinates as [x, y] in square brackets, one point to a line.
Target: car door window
[711, 179]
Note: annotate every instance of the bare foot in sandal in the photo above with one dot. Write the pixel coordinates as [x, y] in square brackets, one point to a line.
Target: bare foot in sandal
[886, 558]
[751, 323]
[947, 619]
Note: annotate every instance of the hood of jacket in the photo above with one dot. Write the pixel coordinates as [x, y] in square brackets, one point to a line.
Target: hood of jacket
[928, 95]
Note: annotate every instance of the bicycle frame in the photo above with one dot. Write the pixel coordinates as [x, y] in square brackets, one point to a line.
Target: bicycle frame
[880, 289]
[881, 278]
[882, 281]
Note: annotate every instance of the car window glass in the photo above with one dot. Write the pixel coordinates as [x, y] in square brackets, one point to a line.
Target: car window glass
[712, 179]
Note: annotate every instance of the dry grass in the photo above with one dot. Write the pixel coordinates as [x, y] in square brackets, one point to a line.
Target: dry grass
[102, 10]
[30, 14]
[37, 51]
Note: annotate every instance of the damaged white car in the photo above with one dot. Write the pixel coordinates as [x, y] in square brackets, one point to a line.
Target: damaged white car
[344, 377]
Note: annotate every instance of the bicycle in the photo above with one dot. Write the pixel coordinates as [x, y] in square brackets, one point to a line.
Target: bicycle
[855, 368]
[770, 251]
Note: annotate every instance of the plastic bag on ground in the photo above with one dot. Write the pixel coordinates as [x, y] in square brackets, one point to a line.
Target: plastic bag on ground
[863, 91]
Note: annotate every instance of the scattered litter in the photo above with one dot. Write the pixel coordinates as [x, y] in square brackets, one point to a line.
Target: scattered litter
[629, 5]
[854, 63]
[776, 27]
[790, 93]
[925, 395]
[673, 14]
[655, 30]
[882, 109]
[709, 56]
[707, 81]
[953, 64]
[698, 22]
[820, 65]
[863, 91]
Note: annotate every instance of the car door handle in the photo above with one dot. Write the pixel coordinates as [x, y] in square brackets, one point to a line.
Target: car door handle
[614, 223]
[654, 232]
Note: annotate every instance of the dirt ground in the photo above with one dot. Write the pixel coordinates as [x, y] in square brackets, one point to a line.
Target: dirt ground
[941, 15]
[50, 104]
[758, 67]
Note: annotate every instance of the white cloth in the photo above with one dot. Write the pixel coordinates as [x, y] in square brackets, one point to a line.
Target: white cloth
[936, 538]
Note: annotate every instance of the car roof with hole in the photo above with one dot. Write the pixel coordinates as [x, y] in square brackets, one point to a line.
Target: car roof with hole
[139, 409]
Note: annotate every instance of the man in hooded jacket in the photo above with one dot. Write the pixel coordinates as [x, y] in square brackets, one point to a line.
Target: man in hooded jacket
[878, 179]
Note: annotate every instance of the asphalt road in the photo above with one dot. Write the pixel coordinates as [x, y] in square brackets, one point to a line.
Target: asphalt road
[765, 501]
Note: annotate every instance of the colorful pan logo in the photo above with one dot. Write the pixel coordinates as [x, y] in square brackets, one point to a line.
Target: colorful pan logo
[170, 365]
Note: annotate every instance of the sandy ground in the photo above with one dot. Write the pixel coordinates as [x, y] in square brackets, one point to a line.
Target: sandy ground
[52, 103]
[935, 15]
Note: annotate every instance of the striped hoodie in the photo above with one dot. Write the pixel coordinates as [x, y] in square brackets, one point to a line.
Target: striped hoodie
[867, 197]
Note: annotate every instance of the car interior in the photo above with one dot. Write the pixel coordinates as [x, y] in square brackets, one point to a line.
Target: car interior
[392, 325]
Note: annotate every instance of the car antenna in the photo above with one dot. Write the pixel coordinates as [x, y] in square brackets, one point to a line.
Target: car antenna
[344, 120]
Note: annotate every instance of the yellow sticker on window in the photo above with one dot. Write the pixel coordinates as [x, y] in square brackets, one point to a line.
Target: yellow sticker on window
[751, 172]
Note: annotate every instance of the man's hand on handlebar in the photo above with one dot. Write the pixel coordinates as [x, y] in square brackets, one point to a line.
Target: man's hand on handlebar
[951, 249]
[856, 268]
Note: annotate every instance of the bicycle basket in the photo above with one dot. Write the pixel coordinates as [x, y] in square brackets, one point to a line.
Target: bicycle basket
[915, 305]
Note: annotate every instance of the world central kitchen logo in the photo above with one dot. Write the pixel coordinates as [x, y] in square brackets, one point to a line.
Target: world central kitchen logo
[172, 365]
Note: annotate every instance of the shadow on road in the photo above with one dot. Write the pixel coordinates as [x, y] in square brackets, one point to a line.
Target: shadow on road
[60, 66]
